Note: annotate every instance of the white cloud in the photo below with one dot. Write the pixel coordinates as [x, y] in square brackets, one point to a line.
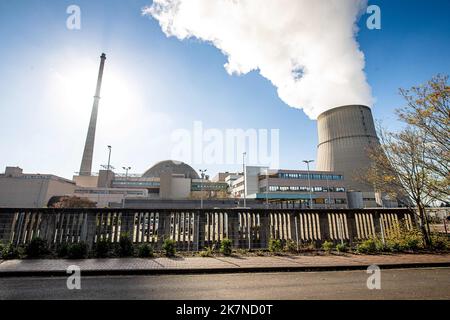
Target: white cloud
[306, 48]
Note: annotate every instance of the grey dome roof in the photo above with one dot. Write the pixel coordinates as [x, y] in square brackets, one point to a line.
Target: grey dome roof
[177, 167]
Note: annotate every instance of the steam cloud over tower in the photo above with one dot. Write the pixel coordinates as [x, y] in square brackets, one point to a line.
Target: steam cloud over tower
[86, 162]
[345, 134]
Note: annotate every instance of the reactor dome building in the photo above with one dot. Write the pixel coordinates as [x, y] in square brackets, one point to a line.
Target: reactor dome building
[345, 134]
[172, 166]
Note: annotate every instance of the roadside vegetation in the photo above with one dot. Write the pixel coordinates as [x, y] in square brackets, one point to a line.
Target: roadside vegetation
[400, 240]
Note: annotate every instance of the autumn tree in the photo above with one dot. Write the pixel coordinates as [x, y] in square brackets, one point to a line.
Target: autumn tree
[71, 202]
[428, 111]
[412, 164]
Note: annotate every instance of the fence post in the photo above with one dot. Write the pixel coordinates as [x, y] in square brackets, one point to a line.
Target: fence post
[376, 221]
[91, 222]
[324, 226]
[264, 229]
[233, 228]
[351, 225]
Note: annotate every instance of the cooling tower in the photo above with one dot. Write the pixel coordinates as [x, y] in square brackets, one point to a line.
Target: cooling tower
[345, 133]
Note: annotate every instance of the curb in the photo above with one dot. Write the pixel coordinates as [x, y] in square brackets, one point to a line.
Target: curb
[125, 272]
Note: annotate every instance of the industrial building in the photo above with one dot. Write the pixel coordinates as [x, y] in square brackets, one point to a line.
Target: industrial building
[167, 180]
[345, 133]
[292, 188]
[26, 190]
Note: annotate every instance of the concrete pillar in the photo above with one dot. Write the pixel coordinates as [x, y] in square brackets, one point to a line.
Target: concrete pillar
[91, 223]
[324, 226]
[233, 228]
[351, 225]
[264, 231]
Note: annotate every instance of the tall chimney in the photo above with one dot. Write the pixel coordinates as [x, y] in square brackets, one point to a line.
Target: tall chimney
[86, 162]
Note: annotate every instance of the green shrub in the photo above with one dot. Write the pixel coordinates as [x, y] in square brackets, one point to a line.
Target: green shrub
[393, 245]
[275, 245]
[169, 247]
[440, 242]
[290, 246]
[327, 246]
[411, 244]
[62, 250]
[36, 248]
[145, 251]
[341, 247]
[101, 249]
[10, 252]
[226, 247]
[125, 247]
[77, 250]
[367, 246]
[403, 239]
[1, 249]
[208, 252]
[308, 246]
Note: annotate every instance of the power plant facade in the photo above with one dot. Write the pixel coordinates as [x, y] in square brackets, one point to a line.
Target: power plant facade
[345, 134]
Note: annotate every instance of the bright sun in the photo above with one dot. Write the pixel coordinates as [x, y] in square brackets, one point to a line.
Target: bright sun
[75, 89]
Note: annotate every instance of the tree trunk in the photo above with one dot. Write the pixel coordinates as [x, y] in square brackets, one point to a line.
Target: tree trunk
[423, 226]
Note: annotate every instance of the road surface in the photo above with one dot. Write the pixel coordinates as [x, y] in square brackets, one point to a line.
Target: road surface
[430, 283]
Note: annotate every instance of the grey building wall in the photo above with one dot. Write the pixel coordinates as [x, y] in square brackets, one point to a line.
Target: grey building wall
[32, 191]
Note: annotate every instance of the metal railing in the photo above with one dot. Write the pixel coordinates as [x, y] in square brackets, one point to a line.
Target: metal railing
[195, 229]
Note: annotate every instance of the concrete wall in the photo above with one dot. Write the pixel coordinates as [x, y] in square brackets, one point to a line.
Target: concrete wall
[180, 188]
[86, 181]
[32, 192]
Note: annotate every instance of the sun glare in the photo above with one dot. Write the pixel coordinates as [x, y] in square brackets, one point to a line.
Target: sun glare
[74, 89]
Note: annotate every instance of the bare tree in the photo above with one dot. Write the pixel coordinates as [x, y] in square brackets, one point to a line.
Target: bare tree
[397, 170]
[428, 111]
[412, 164]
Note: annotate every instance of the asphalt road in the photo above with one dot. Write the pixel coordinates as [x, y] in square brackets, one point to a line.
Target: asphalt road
[431, 283]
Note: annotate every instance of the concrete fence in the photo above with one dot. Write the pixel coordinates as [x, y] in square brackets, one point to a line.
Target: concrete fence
[195, 229]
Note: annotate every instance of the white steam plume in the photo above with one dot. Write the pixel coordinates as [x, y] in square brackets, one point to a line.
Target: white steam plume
[306, 48]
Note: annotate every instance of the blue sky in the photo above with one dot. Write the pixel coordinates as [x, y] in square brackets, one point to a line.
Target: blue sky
[155, 85]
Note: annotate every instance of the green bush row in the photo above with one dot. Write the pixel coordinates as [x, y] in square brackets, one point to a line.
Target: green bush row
[226, 248]
[403, 240]
[38, 248]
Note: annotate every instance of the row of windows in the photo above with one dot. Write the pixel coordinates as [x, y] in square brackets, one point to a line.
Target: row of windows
[209, 186]
[313, 176]
[302, 189]
[129, 192]
[137, 183]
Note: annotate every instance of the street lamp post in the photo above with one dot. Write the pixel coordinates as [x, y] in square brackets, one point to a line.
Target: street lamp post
[243, 171]
[126, 179]
[267, 188]
[108, 167]
[126, 172]
[201, 187]
[309, 183]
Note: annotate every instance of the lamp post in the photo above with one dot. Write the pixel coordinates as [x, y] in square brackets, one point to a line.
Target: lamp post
[309, 183]
[267, 188]
[108, 167]
[126, 172]
[243, 171]
[126, 179]
[201, 187]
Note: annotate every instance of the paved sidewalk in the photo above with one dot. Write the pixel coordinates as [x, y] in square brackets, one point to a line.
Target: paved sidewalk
[182, 265]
